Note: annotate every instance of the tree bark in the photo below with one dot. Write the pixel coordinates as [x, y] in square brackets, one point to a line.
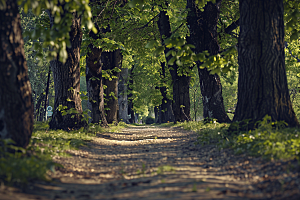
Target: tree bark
[157, 114]
[47, 91]
[130, 103]
[16, 108]
[112, 61]
[40, 113]
[203, 35]
[165, 109]
[181, 96]
[122, 96]
[67, 83]
[94, 82]
[262, 86]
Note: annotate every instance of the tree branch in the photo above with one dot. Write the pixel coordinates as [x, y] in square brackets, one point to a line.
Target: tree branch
[232, 26]
[147, 23]
[286, 46]
[176, 29]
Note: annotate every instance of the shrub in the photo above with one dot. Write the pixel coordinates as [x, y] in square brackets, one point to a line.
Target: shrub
[149, 120]
[272, 140]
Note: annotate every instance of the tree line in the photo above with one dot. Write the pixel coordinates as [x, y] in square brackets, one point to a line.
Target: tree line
[161, 44]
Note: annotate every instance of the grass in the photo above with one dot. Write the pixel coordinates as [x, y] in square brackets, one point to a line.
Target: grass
[35, 162]
[169, 124]
[271, 140]
[117, 128]
[55, 142]
[20, 168]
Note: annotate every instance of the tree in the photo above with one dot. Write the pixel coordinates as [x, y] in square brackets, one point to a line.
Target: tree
[262, 86]
[94, 84]
[112, 63]
[16, 108]
[130, 96]
[165, 109]
[102, 57]
[38, 68]
[67, 106]
[203, 35]
[181, 97]
[122, 95]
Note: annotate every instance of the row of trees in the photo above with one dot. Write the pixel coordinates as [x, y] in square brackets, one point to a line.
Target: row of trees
[179, 36]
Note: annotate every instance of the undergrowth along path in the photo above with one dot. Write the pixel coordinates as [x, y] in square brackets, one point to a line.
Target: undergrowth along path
[151, 162]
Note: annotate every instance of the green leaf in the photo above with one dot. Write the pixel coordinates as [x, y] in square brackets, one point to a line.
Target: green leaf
[132, 4]
[191, 46]
[57, 19]
[90, 24]
[158, 50]
[26, 7]
[178, 63]
[215, 71]
[63, 55]
[294, 36]
[226, 69]
[94, 30]
[171, 61]
[150, 44]
[170, 52]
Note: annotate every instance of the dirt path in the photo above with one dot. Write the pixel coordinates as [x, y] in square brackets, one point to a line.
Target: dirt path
[162, 163]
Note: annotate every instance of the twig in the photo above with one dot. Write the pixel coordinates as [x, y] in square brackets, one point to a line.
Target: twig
[286, 46]
[147, 23]
[102, 10]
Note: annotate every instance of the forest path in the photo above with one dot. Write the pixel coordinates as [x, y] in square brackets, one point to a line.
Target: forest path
[149, 162]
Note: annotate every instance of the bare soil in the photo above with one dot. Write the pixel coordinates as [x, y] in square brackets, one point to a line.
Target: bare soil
[148, 162]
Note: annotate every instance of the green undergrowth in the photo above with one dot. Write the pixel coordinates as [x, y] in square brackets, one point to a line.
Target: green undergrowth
[136, 124]
[169, 124]
[56, 142]
[116, 128]
[20, 166]
[271, 140]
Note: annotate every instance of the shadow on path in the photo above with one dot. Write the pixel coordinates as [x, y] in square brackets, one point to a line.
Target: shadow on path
[148, 162]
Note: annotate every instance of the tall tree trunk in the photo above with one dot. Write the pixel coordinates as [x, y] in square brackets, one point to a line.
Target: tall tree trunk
[157, 114]
[122, 96]
[47, 91]
[112, 61]
[166, 107]
[94, 82]
[16, 108]
[203, 35]
[181, 97]
[130, 102]
[262, 86]
[39, 107]
[166, 112]
[67, 83]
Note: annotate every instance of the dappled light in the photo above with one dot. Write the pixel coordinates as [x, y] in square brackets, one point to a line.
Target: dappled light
[157, 162]
[136, 99]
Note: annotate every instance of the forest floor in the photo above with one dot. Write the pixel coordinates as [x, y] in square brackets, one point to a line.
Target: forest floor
[151, 162]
